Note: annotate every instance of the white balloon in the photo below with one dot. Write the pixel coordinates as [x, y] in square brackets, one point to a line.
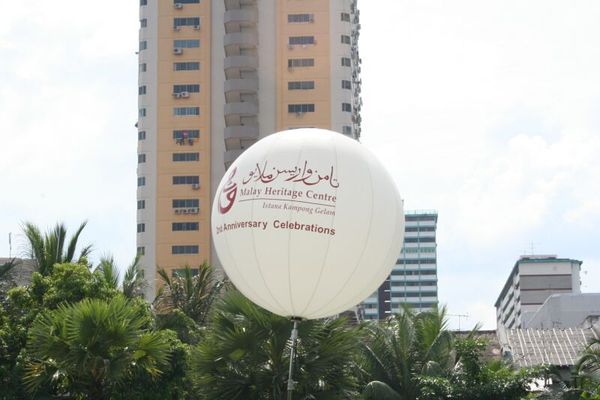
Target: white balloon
[307, 223]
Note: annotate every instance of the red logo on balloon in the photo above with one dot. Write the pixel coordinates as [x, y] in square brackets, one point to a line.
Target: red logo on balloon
[228, 193]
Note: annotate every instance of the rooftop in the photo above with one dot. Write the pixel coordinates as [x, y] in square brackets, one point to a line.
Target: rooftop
[558, 347]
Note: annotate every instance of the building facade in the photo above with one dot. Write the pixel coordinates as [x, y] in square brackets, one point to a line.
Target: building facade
[533, 279]
[413, 280]
[215, 76]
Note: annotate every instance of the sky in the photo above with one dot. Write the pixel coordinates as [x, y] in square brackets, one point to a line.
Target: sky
[486, 111]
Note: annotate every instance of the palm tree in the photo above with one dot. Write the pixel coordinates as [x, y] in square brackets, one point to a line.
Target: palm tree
[192, 293]
[90, 347]
[49, 248]
[394, 352]
[588, 368]
[245, 355]
[133, 281]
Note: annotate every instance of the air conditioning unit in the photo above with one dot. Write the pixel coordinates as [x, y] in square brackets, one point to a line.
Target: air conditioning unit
[179, 210]
[178, 50]
[193, 210]
[184, 95]
[311, 18]
[197, 27]
[299, 114]
[176, 28]
[291, 46]
[195, 186]
[177, 95]
[178, 6]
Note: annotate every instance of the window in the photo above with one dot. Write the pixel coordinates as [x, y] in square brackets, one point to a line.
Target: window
[413, 283]
[346, 62]
[301, 108]
[141, 181]
[186, 66]
[143, 2]
[141, 158]
[189, 21]
[301, 85]
[186, 157]
[185, 226]
[142, 90]
[416, 261]
[142, 112]
[186, 180]
[421, 217]
[187, 1]
[347, 130]
[345, 17]
[346, 107]
[142, 135]
[346, 84]
[419, 240]
[141, 250]
[141, 228]
[143, 67]
[186, 43]
[418, 249]
[301, 62]
[345, 39]
[181, 272]
[183, 111]
[191, 88]
[301, 40]
[296, 18]
[187, 249]
[143, 45]
[419, 229]
[141, 204]
[186, 203]
[143, 23]
[414, 272]
[188, 133]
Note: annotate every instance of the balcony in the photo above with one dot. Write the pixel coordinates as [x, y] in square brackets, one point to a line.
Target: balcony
[241, 132]
[234, 42]
[241, 62]
[241, 108]
[237, 4]
[231, 155]
[249, 85]
[238, 17]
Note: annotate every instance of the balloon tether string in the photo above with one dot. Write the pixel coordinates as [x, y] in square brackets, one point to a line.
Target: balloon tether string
[294, 338]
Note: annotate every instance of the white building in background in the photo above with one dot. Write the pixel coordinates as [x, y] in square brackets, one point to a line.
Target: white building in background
[566, 310]
[413, 279]
[533, 279]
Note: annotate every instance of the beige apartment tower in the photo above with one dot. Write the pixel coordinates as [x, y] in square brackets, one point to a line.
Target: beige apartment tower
[215, 76]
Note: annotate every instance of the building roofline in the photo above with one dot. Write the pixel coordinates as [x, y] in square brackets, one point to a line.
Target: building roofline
[530, 260]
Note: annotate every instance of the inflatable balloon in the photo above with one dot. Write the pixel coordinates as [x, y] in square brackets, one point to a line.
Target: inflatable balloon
[307, 223]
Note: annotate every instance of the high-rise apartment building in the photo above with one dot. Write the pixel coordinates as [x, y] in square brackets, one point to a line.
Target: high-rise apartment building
[532, 280]
[413, 279]
[215, 76]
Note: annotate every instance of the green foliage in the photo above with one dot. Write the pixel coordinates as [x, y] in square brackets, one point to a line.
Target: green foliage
[245, 355]
[588, 371]
[192, 294]
[474, 379]
[89, 348]
[406, 345]
[52, 248]
[173, 383]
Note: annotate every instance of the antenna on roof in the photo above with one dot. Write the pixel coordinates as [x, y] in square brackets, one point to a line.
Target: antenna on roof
[459, 316]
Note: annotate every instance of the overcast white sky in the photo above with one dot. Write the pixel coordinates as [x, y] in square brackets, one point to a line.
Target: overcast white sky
[485, 111]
